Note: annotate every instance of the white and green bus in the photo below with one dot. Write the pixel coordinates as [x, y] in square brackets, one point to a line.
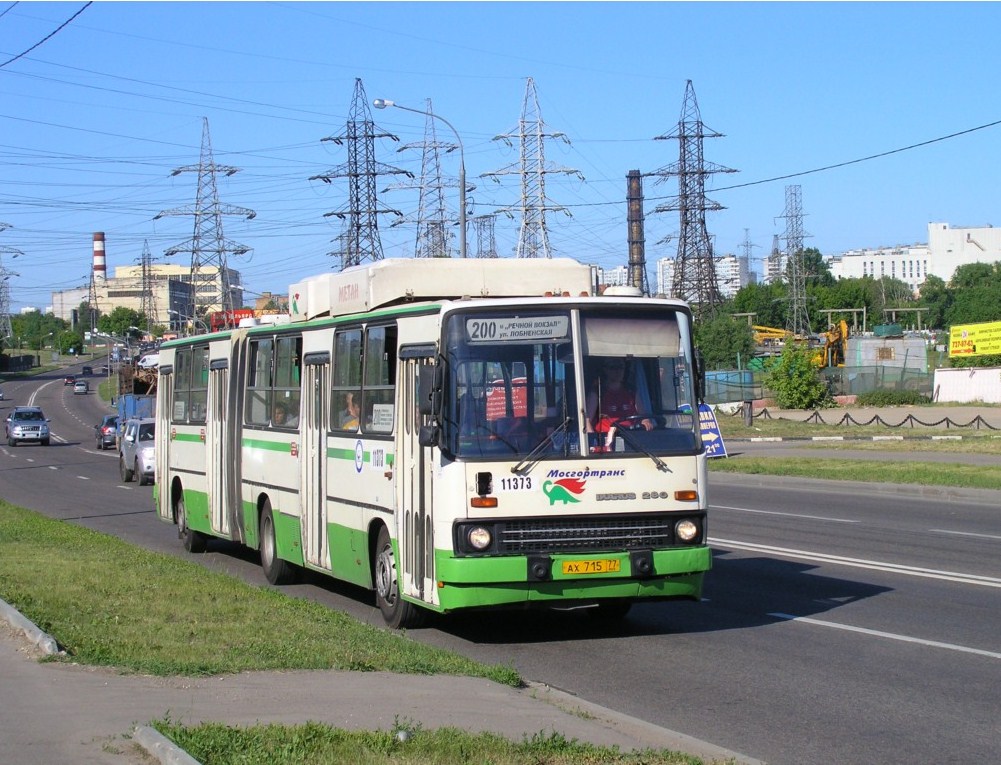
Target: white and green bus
[420, 428]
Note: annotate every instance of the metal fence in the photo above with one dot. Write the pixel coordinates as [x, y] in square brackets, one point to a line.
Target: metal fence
[747, 385]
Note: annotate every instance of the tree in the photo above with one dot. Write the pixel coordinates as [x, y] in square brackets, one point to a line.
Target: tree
[120, 321]
[724, 342]
[767, 301]
[938, 299]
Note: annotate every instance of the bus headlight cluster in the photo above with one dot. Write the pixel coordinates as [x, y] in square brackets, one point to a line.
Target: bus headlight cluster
[479, 537]
[686, 531]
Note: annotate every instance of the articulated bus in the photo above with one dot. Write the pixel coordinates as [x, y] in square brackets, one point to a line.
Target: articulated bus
[420, 428]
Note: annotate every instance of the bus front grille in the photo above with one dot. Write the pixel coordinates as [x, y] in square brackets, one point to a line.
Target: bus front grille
[553, 535]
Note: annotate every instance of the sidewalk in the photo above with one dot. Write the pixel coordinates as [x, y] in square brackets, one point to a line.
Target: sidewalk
[55, 713]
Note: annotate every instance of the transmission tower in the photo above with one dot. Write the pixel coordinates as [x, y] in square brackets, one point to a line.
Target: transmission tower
[533, 239]
[148, 305]
[361, 170]
[433, 237]
[747, 246]
[210, 274]
[6, 331]
[798, 318]
[486, 241]
[694, 268]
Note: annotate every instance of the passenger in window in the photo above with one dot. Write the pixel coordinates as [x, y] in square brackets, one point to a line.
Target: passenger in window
[279, 415]
[350, 413]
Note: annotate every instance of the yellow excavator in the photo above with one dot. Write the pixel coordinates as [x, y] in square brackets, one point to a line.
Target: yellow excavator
[835, 346]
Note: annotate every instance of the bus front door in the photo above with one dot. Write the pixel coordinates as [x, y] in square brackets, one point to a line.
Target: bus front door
[215, 439]
[414, 484]
[313, 432]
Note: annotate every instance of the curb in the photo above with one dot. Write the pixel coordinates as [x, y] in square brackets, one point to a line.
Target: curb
[42, 640]
[160, 747]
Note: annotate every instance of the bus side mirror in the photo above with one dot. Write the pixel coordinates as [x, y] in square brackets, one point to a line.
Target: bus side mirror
[428, 435]
[700, 377]
[427, 396]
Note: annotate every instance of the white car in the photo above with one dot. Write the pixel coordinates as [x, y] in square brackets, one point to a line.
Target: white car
[137, 458]
[149, 361]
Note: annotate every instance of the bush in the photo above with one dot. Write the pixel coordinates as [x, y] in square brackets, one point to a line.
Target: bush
[891, 398]
[795, 382]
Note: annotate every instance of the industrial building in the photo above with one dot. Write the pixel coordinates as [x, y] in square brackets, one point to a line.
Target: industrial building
[166, 288]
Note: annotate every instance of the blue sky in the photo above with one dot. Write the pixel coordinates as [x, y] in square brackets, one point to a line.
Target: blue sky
[94, 120]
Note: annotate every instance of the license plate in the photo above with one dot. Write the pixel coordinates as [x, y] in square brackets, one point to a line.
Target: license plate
[592, 566]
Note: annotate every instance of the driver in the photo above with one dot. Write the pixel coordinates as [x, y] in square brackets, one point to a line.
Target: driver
[616, 400]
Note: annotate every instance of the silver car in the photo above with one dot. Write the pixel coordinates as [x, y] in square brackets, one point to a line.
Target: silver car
[137, 456]
[27, 423]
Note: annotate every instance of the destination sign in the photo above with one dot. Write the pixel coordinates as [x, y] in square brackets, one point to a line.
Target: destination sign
[527, 329]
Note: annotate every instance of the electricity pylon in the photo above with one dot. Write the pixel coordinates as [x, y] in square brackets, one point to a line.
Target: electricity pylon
[798, 318]
[148, 304]
[694, 267]
[208, 246]
[533, 238]
[361, 170]
[486, 240]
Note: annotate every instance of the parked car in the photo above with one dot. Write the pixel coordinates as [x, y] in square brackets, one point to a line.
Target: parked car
[26, 423]
[81, 386]
[69, 380]
[107, 432]
[137, 456]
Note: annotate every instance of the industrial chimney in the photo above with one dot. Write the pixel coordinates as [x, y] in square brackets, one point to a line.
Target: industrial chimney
[100, 269]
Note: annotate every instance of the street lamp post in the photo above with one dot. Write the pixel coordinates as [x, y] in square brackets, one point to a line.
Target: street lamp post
[382, 103]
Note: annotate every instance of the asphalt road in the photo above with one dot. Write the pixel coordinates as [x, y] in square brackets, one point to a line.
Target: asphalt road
[841, 624]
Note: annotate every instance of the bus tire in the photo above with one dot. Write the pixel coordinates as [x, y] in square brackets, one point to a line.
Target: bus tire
[276, 570]
[397, 613]
[193, 541]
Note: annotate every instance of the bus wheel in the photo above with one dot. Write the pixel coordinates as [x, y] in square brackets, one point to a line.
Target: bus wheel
[276, 570]
[193, 541]
[398, 613]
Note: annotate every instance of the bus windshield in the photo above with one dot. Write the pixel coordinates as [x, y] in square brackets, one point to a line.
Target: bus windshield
[519, 384]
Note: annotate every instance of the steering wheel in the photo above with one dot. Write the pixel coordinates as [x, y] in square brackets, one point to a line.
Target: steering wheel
[633, 421]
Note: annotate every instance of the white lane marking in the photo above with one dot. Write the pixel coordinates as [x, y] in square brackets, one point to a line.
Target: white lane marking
[839, 560]
[966, 534]
[888, 635]
[787, 515]
[83, 477]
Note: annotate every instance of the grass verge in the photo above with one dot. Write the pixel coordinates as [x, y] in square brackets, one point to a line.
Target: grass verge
[918, 473]
[110, 603]
[405, 745]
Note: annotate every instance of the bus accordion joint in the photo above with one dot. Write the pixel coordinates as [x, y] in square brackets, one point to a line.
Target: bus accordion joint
[686, 495]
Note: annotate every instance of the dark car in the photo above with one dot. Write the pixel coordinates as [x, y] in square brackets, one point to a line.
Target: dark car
[87, 371]
[106, 431]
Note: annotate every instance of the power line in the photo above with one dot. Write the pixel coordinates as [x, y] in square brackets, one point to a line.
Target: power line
[49, 36]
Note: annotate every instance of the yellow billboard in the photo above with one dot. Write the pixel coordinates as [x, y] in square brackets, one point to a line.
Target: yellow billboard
[975, 339]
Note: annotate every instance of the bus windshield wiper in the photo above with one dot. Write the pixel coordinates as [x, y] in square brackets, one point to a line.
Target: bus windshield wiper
[629, 439]
[533, 456]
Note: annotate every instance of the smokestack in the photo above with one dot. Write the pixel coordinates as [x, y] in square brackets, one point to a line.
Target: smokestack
[100, 269]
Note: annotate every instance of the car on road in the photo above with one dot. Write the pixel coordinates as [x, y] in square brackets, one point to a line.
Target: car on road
[106, 432]
[27, 424]
[69, 380]
[137, 456]
[81, 386]
[87, 371]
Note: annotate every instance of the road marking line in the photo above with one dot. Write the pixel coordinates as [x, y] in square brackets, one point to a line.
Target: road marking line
[895, 568]
[787, 515]
[888, 635]
[965, 534]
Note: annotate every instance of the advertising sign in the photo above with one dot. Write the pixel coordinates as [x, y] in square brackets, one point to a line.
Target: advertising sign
[975, 339]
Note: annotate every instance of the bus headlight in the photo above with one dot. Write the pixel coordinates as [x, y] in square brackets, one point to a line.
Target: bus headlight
[479, 537]
[686, 530]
